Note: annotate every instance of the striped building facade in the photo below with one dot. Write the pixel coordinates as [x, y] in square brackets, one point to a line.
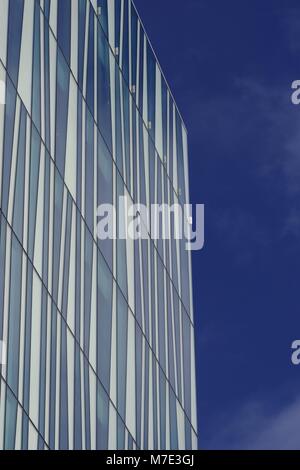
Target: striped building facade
[99, 334]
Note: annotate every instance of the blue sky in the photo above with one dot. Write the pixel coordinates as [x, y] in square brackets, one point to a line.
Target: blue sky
[230, 66]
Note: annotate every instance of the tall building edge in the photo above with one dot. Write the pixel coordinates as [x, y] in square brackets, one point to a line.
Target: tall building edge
[98, 334]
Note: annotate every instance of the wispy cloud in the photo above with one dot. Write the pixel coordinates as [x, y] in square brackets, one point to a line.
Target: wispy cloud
[255, 428]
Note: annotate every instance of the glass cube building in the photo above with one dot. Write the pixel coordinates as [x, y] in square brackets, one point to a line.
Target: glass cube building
[99, 333]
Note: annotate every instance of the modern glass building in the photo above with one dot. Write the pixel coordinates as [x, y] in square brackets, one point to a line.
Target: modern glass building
[99, 333]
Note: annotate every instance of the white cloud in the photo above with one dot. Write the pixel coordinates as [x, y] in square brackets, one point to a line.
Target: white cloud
[253, 428]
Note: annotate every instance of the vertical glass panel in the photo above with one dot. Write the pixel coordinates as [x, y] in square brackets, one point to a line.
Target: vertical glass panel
[82, 4]
[79, 153]
[120, 434]
[64, 27]
[88, 264]
[89, 171]
[173, 421]
[126, 117]
[58, 206]
[3, 228]
[118, 120]
[105, 190]
[77, 402]
[164, 118]
[62, 99]
[162, 414]
[47, 83]
[138, 378]
[104, 318]
[14, 316]
[33, 187]
[102, 418]
[11, 409]
[27, 352]
[161, 316]
[134, 25]
[63, 412]
[141, 74]
[122, 323]
[43, 365]
[186, 333]
[117, 23]
[15, 21]
[151, 71]
[36, 84]
[177, 341]
[54, 363]
[9, 120]
[121, 242]
[104, 15]
[104, 98]
[90, 64]
[125, 52]
[18, 216]
[47, 8]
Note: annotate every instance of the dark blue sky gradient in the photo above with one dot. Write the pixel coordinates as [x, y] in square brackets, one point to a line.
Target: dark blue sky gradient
[230, 65]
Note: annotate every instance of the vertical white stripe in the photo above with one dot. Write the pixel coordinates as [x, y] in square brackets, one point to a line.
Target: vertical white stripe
[43, 119]
[113, 354]
[35, 350]
[111, 23]
[112, 435]
[168, 430]
[138, 65]
[2, 114]
[22, 327]
[193, 383]
[83, 158]
[18, 443]
[62, 251]
[83, 398]
[53, 54]
[71, 378]
[26, 184]
[93, 409]
[130, 378]
[72, 278]
[3, 30]
[82, 285]
[86, 44]
[48, 364]
[112, 66]
[39, 230]
[181, 426]
[95, 70]
[53, 16]
[51, 228]
[150, 409]
[121, 34]
[143, 444]
[32, 438]
[26, 55]
[158, 115]
[57, 391]
[145, 84]
[93, 331]
[14, 163]
[71, 146]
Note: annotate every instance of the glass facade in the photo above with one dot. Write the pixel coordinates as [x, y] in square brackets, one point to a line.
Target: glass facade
[99, 333]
